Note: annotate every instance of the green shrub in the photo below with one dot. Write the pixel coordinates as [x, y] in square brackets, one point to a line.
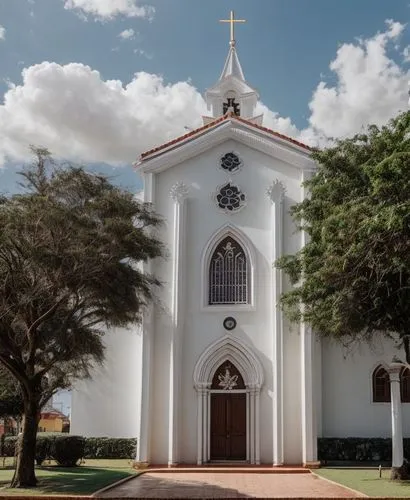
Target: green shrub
[43, 448]
[67, 450]
[358, 449]
[10, 446]
[104, 447]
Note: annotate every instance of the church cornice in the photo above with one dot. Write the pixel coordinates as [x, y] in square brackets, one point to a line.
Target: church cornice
[227, 127]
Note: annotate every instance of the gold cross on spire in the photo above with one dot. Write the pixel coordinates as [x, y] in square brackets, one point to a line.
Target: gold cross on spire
[232, 21]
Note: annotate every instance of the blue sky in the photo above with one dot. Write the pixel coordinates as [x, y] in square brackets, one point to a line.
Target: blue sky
[285, 49]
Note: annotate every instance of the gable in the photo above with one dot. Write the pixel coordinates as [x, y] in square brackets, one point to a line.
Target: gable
[227, 127]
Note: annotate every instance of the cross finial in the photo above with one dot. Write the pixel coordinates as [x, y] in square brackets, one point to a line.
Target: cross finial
[232, 22]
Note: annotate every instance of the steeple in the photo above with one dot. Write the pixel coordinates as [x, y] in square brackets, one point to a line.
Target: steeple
[232, 66]
[232, 93]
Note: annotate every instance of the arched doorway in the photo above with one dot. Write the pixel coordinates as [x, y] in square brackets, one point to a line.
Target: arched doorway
[228, 378]
[228, 414]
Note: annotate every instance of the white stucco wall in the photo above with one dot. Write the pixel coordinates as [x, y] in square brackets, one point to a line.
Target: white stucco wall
[202, 327]
[348, 408]
[107, 405]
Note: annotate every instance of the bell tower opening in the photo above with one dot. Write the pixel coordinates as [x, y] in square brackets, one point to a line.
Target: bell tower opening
[231, 104]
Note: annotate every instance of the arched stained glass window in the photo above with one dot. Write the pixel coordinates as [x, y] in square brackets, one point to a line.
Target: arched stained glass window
[228, 274]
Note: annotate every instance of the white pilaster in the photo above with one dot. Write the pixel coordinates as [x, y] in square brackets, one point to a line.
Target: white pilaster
[257, 429]
[199, 425]
[207, 429]
[178, 193]
[309, 430]
[276, 193]
[252, 425]
[144, 427]
[145, 362]
[396, 418]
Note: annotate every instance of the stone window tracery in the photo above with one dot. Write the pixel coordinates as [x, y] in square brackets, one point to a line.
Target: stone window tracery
[228, 274]
[230, 162]
[230, 198]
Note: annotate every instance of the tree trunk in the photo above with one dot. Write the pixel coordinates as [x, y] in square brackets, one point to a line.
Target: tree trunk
[400, 473]
[24, 475]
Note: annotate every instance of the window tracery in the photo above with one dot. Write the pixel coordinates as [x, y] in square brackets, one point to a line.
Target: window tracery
[228, 274]
[230, 198]
[230, 162]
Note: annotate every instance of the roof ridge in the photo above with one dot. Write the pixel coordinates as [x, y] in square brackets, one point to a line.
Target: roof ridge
[229, 115]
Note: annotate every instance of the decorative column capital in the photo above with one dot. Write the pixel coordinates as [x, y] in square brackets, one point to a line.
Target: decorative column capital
[394, 370]
[276, 191]
[179, 191]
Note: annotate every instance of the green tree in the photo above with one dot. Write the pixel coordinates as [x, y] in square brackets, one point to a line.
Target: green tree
[352, 279]
[70, 252]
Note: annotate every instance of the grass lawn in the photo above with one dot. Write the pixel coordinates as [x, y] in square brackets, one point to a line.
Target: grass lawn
[83, 480]
[367, 481]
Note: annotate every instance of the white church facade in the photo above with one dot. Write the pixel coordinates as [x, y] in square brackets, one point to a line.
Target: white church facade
[215, 372]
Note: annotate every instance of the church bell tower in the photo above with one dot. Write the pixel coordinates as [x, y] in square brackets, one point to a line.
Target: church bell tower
[232, 94]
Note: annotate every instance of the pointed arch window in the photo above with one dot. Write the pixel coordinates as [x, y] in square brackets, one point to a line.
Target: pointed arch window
[229, 274]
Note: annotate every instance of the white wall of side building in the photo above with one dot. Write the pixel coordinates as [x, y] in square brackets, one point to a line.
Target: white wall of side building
[348, 407]
[108, 403]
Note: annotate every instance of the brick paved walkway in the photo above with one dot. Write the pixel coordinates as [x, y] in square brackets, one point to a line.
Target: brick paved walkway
[226, 485]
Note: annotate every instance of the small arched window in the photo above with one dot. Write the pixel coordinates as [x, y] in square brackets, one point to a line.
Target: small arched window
[405, 385]
[381, 385]
[228, 274]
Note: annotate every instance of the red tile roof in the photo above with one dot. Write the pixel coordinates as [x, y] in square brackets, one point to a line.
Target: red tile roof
[215, 122]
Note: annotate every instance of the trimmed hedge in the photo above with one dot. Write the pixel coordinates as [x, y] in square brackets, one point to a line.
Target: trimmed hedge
[110, 447]
[66, 449]
[358, 449]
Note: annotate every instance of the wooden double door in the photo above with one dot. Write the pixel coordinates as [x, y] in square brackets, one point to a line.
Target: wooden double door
[228, 426]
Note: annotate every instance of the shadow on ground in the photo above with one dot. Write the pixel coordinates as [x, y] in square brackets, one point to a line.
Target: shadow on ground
[154, 487]
[76, 480]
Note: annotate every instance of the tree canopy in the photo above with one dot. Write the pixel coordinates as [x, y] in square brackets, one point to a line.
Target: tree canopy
[352, 279]
[71, 248]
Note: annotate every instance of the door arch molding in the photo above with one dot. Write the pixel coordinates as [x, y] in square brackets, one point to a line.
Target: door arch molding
[237, 352]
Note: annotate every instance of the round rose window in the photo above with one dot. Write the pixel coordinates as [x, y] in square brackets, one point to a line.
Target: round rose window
[230, 198]
[231, 162]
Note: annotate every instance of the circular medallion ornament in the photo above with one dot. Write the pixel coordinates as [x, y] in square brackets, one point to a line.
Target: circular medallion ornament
[230, 162]
[229, 323]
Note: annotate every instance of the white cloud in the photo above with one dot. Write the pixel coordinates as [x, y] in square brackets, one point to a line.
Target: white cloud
[274, 121]
[406, 54]
[106, 10]
[2, 32]
[370, 88]
[128, 34]
[76, 114]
